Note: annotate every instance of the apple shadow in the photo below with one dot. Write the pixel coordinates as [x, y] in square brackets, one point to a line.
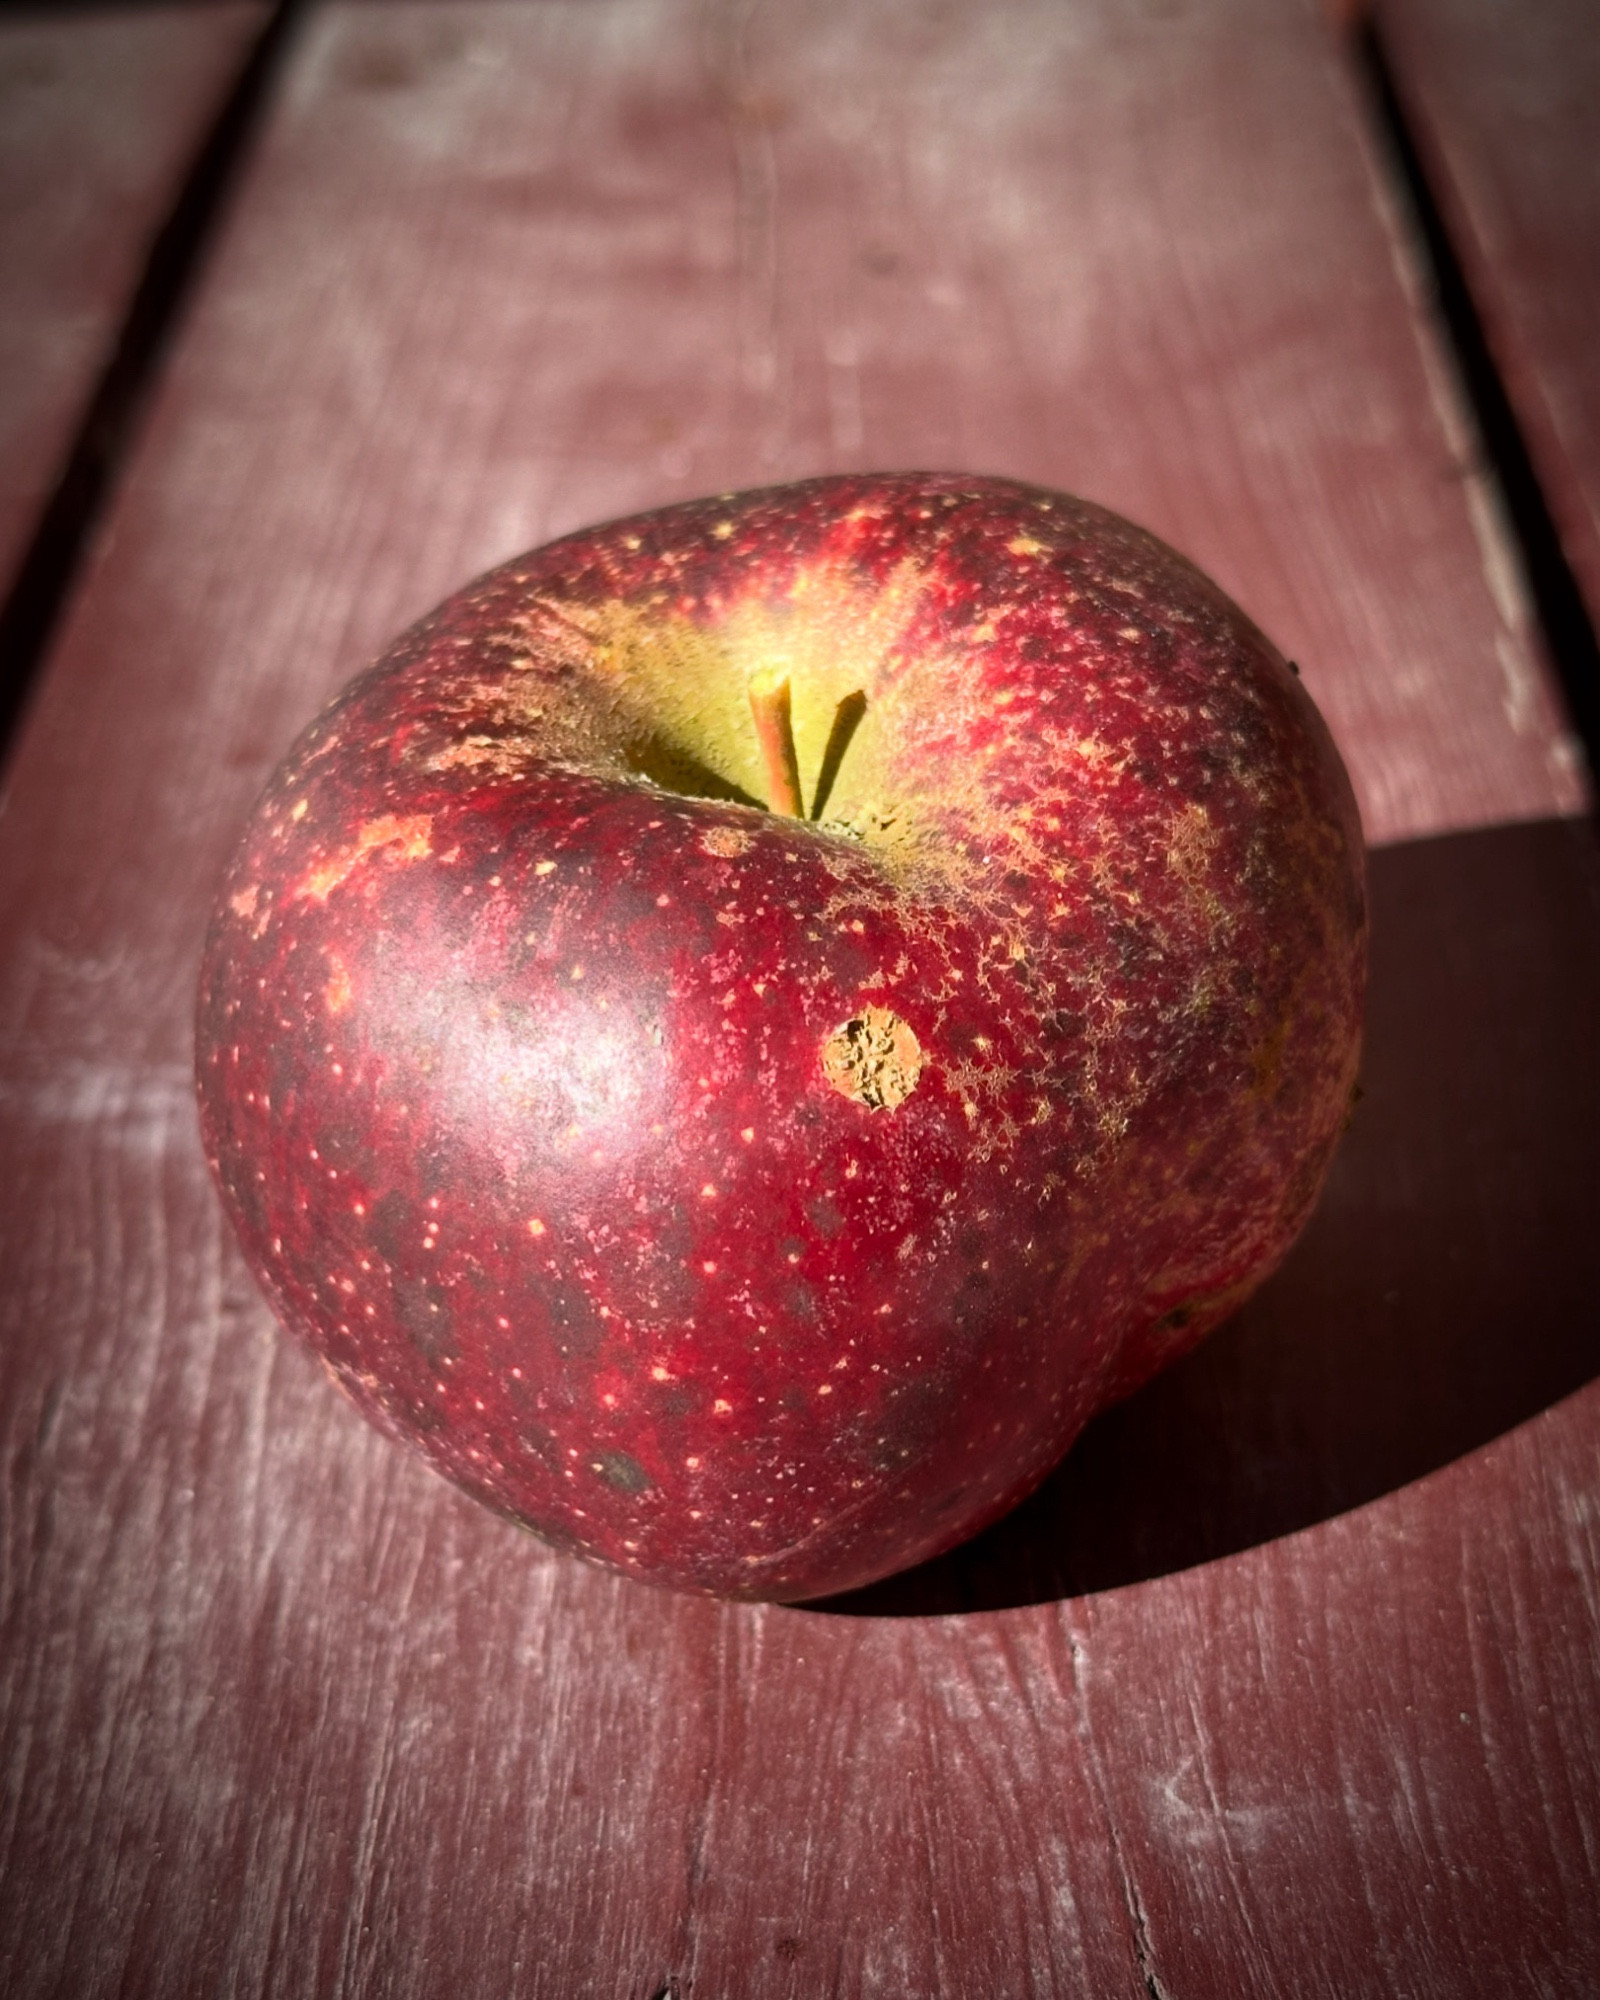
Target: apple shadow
[846, 721]
[1447, 1288]
[675, 769]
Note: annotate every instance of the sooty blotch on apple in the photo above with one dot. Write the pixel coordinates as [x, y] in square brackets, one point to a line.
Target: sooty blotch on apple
[752, 1021]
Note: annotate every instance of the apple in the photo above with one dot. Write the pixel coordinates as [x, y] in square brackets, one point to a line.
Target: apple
[749, 1024]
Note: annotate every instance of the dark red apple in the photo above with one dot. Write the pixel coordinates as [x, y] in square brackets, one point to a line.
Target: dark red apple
[759, 1202]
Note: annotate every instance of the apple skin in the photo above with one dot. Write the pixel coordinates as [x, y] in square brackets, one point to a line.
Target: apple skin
[758, 1205]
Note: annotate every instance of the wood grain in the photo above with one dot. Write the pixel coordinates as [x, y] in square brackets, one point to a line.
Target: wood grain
[282, 1714]
[1503, 98]
[101, 115]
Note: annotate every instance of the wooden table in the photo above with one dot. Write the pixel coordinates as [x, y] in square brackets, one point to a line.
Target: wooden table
[1288, 1683]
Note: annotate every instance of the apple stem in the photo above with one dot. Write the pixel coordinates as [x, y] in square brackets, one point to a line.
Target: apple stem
[769, 705]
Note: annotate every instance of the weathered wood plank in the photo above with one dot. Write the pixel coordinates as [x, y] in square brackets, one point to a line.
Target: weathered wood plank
[1503, 98]
[101, 115]
[280, 1712]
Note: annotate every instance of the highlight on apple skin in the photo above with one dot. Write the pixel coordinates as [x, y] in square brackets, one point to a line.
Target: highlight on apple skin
[750, 1024]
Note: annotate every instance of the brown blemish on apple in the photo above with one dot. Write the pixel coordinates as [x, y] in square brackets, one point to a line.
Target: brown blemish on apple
[409, 837]
[337, 994]
[874, 1059]
[502, 754]
[724, 841]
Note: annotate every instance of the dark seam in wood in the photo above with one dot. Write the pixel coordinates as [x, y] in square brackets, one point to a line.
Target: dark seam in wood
[1132, 1900]
[55, 554]
[1558, 603]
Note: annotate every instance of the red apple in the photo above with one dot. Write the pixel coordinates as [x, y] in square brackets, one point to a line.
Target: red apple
[759, 1201]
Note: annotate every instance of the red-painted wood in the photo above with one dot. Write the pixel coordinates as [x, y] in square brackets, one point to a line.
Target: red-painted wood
[1503, 96]
[101, 114]
[281, 1713]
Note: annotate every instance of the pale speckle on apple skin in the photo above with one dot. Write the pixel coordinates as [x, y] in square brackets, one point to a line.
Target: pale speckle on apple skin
[1022, 926]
